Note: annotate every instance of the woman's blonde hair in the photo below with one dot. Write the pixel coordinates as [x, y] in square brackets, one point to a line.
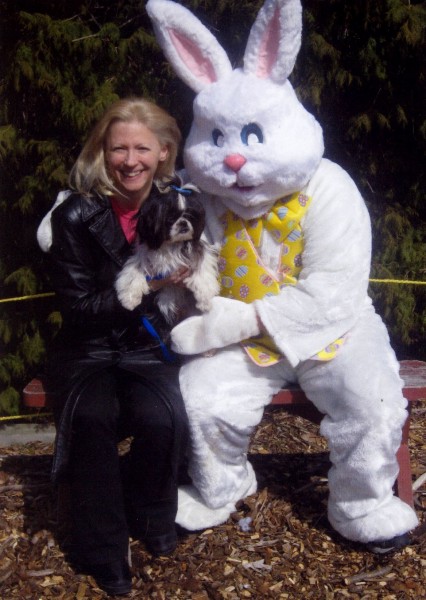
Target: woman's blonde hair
[89, 173]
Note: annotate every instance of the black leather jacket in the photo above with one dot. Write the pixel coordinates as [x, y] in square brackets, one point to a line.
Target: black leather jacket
[88, 250]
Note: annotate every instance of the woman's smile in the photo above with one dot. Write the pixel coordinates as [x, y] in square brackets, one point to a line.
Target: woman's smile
[132, 154]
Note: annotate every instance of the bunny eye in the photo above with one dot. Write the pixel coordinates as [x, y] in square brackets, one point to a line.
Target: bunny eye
[218, 138]
[251, 134]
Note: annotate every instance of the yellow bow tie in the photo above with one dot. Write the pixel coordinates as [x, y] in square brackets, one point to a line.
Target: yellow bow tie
[282, 221]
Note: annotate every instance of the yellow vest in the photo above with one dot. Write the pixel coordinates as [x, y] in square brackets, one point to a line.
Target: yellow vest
[243, 276]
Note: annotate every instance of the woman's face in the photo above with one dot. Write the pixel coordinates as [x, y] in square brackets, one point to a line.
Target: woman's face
[132, 154]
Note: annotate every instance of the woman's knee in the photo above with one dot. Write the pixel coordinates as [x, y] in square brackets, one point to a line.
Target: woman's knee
[97, 405]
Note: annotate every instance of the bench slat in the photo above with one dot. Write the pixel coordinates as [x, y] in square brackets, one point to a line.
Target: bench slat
[413, 372]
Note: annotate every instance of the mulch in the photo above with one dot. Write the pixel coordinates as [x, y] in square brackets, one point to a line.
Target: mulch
[278, 545]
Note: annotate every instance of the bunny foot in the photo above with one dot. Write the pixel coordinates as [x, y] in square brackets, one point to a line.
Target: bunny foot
[390, 520]
[193, 514]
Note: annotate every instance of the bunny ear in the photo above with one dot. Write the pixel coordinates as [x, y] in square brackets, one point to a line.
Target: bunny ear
[192, 50]
[274, 40]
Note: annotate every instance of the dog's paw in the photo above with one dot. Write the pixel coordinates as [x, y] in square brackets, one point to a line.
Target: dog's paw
[204, 304]
[130, 301]
[204, 292]
[130, 296]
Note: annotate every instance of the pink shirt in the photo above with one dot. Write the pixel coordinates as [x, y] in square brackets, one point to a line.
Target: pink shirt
[126, 220]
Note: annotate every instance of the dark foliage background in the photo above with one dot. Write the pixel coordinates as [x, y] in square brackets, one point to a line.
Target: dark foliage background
[360, 71]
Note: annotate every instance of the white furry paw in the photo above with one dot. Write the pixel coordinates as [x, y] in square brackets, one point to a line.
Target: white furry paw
[228, 322]
[130, 300]
[193, 514]
[44, 231]
[204, 290]
[204, 304]
[130, 290]
[391, 519]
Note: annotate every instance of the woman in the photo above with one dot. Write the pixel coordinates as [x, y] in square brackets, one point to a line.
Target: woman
[107, 375]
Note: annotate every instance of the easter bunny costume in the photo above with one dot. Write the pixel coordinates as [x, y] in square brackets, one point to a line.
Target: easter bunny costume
[251, 145]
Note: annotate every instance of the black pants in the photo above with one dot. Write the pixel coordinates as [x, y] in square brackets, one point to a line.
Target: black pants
[117, 403]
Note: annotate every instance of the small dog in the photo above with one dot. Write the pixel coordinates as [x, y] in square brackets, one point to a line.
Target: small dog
[169, 230]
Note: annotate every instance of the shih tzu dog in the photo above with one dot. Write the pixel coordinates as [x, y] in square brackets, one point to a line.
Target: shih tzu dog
[169, 230]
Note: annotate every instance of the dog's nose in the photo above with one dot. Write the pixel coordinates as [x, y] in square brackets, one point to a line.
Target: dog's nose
[183, 227]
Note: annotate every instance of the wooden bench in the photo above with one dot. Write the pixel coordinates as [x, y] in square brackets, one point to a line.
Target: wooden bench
[413, 372]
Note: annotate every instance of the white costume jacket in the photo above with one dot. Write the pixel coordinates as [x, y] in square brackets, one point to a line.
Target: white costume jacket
[359, 390]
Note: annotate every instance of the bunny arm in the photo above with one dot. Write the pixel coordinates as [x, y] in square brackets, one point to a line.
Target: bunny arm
[227, 322]
[332, 288]
[331, 291]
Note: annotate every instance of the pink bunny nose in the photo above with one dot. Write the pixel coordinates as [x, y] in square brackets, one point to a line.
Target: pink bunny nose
[235, 162]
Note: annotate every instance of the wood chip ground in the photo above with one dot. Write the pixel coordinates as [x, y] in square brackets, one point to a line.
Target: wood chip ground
[277, 545]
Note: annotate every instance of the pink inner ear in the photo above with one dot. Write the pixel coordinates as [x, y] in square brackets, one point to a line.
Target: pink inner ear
[191, 56]
[268, 48]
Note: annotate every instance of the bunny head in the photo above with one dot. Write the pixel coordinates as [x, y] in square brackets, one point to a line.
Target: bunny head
[251, 141]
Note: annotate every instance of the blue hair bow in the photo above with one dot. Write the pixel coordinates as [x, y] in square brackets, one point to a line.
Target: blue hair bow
[184, 191]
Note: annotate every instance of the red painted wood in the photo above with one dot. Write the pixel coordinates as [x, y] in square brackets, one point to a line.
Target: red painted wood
[404, 484]
[413, 372]
[34, 394]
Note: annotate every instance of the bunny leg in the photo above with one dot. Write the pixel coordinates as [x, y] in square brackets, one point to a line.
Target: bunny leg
[360, 393]
[224, 399]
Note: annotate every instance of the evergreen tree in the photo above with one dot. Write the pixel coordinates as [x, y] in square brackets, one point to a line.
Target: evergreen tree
[359, 71]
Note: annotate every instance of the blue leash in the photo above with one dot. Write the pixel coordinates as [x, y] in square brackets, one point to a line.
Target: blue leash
[155, 277]
[168, 356]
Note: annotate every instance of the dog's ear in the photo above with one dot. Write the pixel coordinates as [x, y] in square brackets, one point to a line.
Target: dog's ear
[151, 222]
[197, 215]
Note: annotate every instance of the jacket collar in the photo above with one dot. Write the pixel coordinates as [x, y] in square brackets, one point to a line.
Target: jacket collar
[98, 214]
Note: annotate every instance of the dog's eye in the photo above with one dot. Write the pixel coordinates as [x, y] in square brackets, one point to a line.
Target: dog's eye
[171, 218]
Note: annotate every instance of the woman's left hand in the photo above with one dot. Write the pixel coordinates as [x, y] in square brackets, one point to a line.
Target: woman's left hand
[175, 278]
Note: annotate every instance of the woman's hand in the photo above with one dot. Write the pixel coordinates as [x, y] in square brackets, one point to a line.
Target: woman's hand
[175, 278]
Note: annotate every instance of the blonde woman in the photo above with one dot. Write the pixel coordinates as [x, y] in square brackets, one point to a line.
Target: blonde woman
[107, 375]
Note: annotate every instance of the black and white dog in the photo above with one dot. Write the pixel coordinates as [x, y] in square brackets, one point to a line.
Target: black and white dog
[169, 230]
